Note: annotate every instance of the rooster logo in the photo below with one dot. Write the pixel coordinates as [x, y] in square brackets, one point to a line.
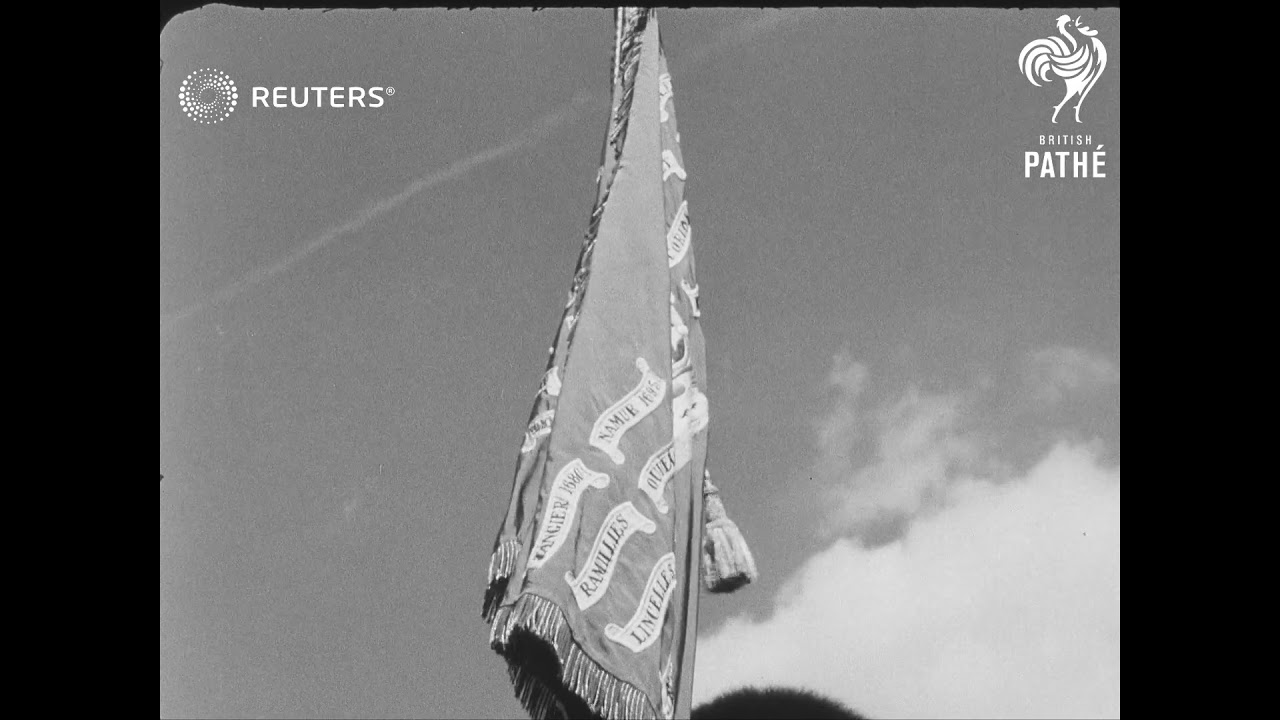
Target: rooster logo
[1078, 62]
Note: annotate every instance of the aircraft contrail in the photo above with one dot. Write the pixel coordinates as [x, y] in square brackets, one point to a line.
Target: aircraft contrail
[538, 130]
[771, 21]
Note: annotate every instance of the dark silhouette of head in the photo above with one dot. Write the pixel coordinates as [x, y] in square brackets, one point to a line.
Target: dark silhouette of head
[773, 703]
[748, 703]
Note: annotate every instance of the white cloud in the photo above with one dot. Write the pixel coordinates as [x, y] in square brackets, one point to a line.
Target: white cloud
[1005, 604]
[918, 445]
[839, 429]
[1055, 371]
[1000, 599]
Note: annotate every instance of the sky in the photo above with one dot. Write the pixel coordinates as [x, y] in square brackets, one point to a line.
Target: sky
[913, 350]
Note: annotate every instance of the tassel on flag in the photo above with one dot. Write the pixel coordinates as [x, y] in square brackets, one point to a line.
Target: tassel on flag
[593, 582]
[727, 562]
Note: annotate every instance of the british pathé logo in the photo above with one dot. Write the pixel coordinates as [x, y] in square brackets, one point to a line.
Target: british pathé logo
[1079, 62]
[1078, 57]
[1053, 160]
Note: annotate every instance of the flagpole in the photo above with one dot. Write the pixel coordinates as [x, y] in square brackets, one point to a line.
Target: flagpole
[617, 42]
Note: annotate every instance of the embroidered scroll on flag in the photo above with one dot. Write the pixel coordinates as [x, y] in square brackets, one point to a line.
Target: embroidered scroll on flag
[613, 522]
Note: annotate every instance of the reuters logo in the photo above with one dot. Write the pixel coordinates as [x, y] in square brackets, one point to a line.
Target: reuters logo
[208, 96]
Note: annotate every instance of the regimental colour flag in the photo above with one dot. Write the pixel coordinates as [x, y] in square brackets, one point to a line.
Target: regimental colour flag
[613, 522]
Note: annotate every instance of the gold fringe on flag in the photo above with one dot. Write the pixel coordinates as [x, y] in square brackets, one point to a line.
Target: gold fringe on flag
[543, 691]
[501, 564]
[727, 563]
